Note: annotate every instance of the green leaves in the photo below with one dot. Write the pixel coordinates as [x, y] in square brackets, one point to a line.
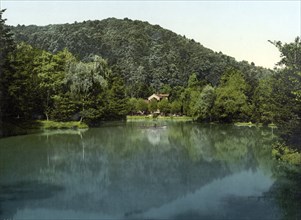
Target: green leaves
[60, 88]
[146, 56]
[205, 103]
[164, 106]
[231, 101]
[290, 53]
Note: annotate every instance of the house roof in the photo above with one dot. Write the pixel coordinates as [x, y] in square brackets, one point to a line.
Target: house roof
[158, 96]
[163, 95]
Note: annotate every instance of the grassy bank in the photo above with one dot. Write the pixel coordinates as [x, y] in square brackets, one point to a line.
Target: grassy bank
[250, 124]
[246, 124]
[147, 117]
[62, 125]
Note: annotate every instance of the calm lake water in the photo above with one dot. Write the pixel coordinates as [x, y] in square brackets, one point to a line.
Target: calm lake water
[134, 170]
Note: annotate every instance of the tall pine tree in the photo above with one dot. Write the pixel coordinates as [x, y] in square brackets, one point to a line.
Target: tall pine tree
[6, 46]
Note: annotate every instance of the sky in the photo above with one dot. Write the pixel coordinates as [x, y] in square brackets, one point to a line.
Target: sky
[240, 29]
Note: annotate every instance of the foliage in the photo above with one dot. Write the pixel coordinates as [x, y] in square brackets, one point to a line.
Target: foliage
[23, 82]
[204, 103]
[140, 59]
[63, 125]
[86, 81]
[288, 87]
[286, 154]
[142, 105]
[132, 106]
[116, 105]
[164, 106]
[7, 45]
[64, 108]
[231, 102]
[148, 57]
[175, 107]
[290, 54]
[265, 106]
[153, 105]
[61, 88]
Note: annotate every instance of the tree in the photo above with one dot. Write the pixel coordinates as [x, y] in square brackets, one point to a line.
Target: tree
[153, 105]
[117, 102]
[7, 45]
[231, 102]
[86, 81]
[290, 54]
[51, 80]
[265, 105]
[205, 103]
[147, 57]
[51, 73]
[65, 108]
[287, 90]
[142, 105]
[193, 99]
[193, 81]
[132, 106]
[175, 107]
[164, 106]
[23, 85]
[291, 59]
[190, 95]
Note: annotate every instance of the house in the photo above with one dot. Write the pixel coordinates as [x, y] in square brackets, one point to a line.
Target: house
[158, 97]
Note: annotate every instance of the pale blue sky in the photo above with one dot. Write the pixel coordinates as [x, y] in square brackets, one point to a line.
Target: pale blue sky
[237, 28]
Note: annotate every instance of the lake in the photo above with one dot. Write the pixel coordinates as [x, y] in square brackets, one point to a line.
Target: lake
[141, 170]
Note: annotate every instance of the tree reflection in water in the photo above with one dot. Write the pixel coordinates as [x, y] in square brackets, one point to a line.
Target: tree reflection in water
[134, 170]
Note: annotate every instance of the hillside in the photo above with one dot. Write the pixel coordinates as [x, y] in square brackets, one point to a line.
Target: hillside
[144, 54]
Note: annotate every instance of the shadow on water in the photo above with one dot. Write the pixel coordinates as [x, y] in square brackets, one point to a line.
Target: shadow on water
[15, 196]
[20, 127]
[286, 192]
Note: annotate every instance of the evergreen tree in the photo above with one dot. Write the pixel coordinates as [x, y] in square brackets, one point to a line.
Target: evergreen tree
[117, 102]
[265, 105]
[6, 46]
[23, 85]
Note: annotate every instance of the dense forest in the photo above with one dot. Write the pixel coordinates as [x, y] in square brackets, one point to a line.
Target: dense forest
[104, 70]
[146, 56]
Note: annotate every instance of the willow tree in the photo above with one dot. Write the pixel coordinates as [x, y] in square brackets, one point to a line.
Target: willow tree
[86, 81]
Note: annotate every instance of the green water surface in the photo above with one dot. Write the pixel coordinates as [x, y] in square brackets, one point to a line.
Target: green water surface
[140, 170]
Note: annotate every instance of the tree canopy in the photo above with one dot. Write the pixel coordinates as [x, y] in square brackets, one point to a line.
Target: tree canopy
[148, 57]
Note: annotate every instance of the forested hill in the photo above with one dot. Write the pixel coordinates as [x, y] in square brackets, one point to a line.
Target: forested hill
[147, 56]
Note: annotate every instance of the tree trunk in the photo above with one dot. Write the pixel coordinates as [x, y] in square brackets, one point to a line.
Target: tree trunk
[82, 117]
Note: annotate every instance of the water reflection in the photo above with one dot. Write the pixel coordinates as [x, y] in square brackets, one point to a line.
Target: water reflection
[212, 200]
[138, 170]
